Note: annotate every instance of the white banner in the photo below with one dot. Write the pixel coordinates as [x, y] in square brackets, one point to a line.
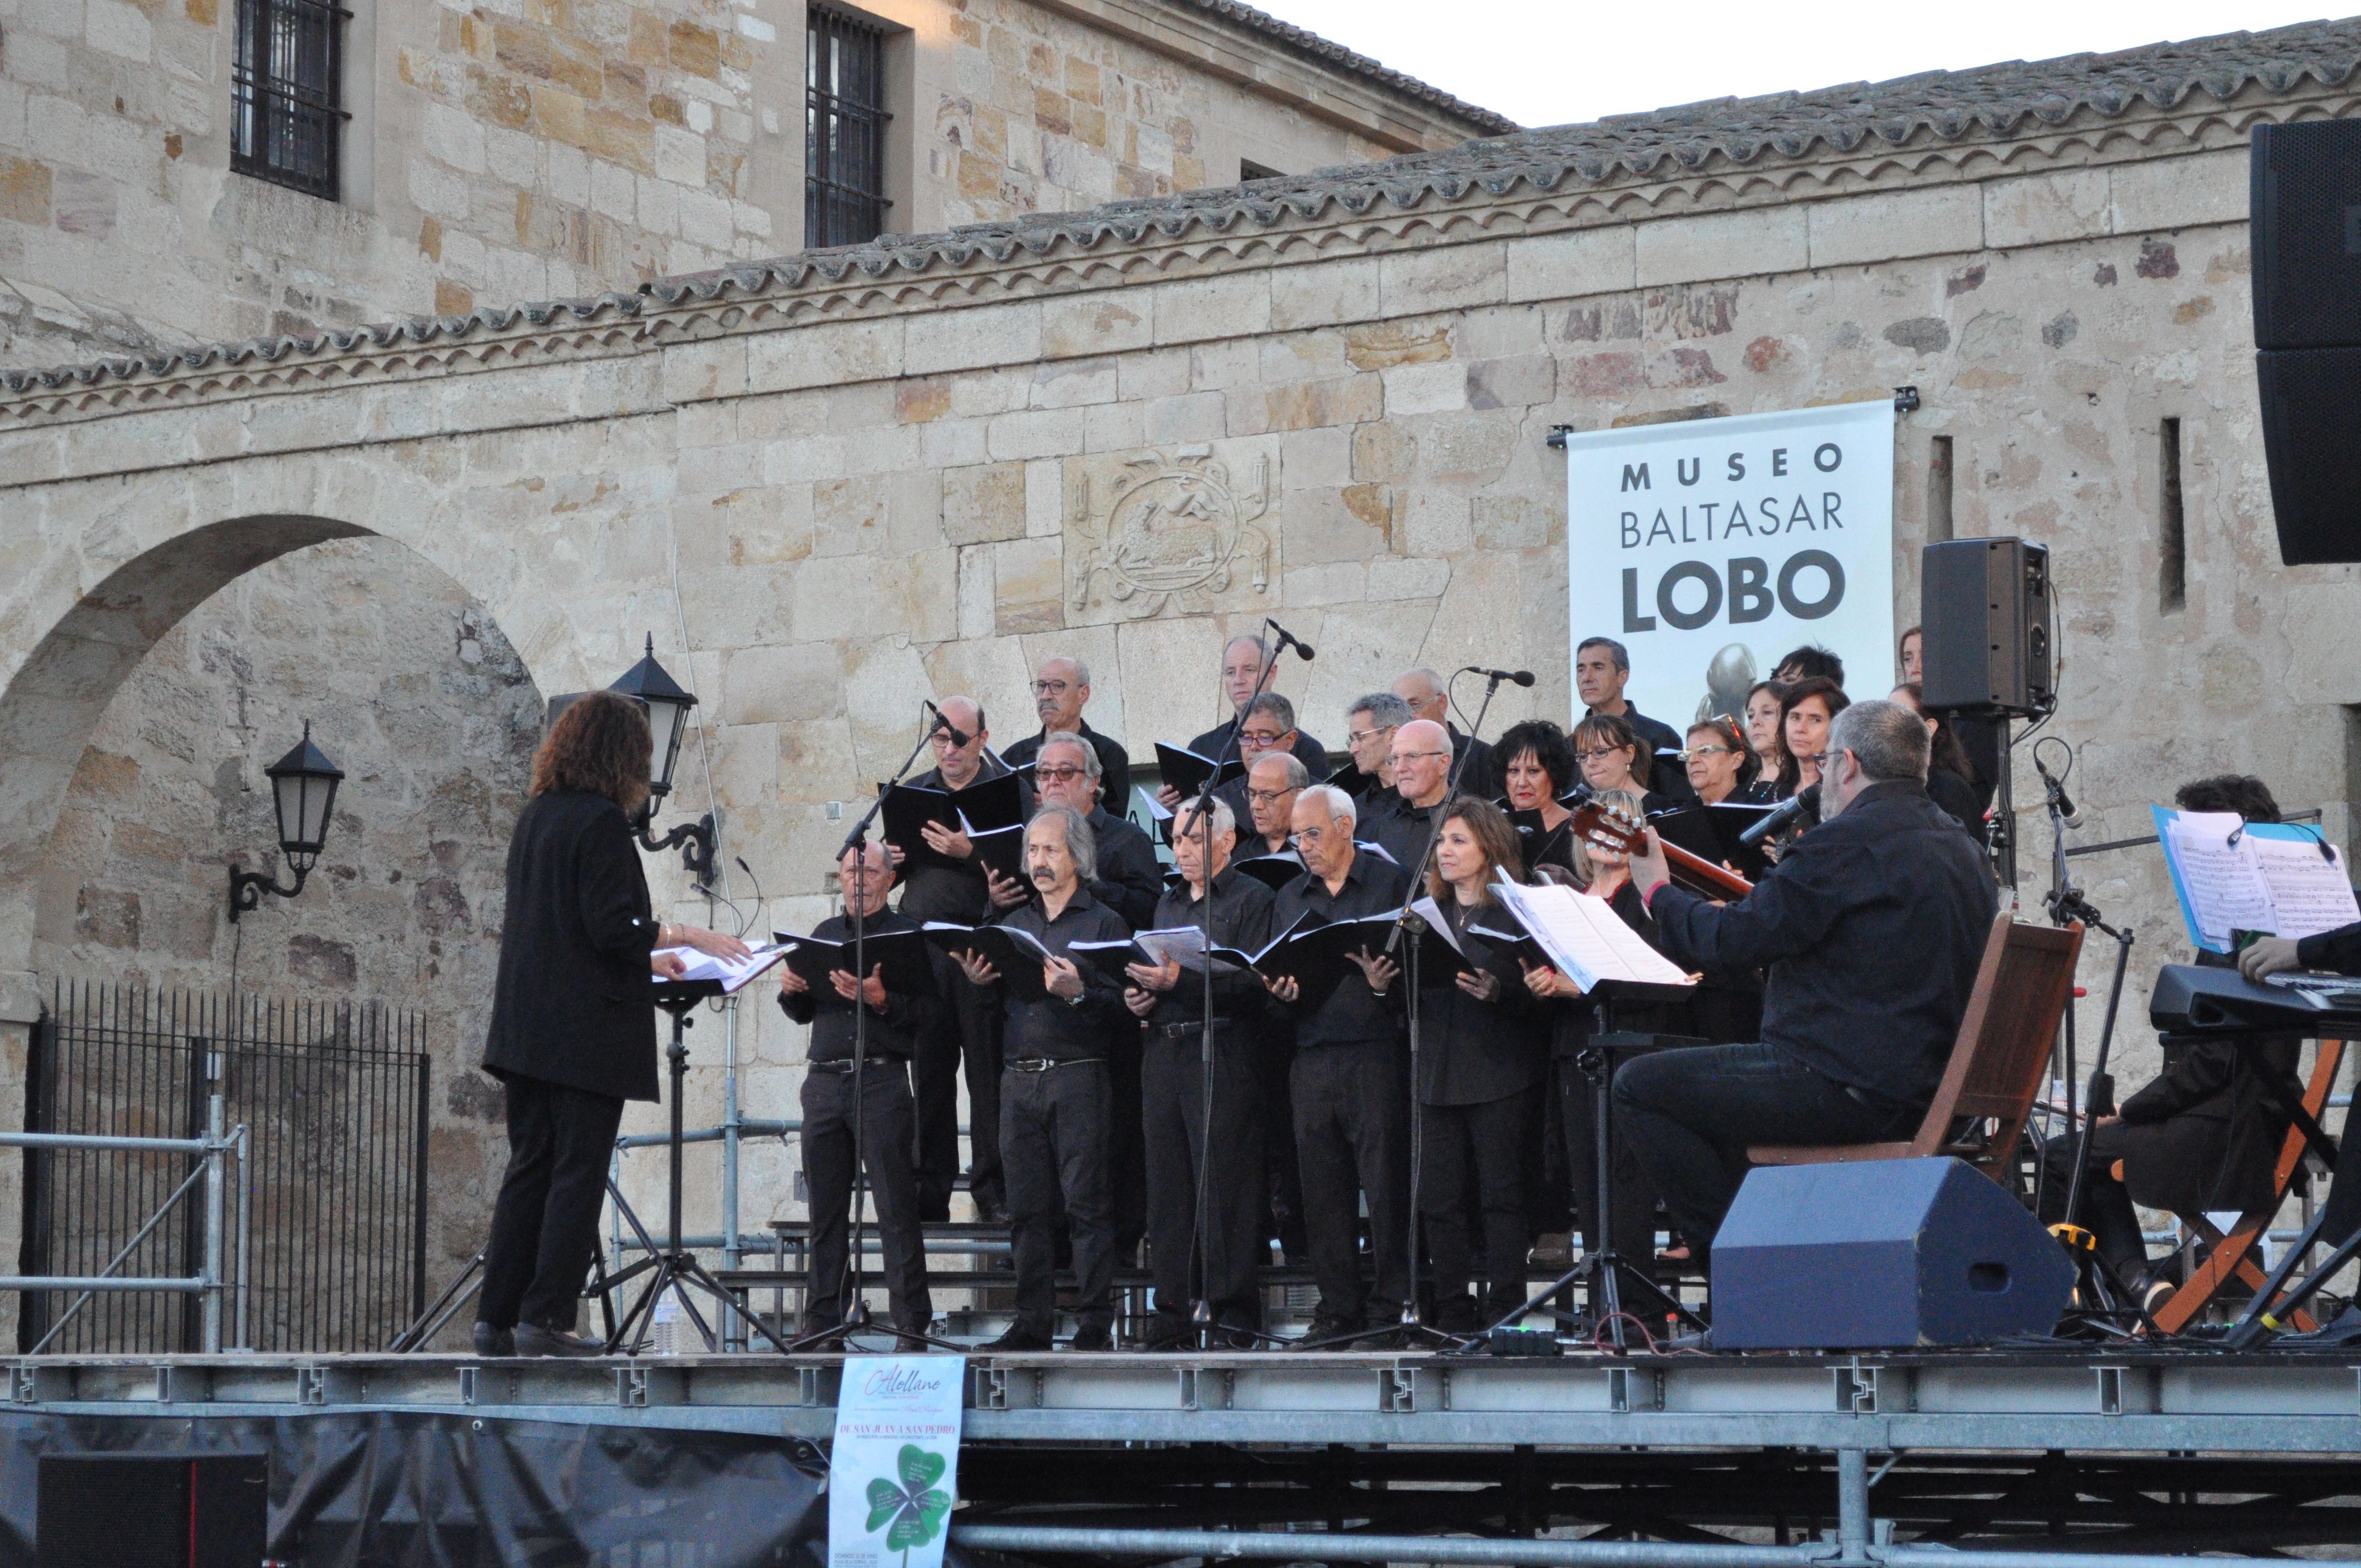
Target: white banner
[1711, 547]
[894, 1473]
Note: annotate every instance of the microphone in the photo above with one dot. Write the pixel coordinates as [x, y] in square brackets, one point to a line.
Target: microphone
[1787, 811]
[2071, 817]
[1289, 640]
[959, 737]
[1515, 677]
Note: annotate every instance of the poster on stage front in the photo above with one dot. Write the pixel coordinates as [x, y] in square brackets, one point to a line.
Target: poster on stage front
[1710, 548]
[892, 1474]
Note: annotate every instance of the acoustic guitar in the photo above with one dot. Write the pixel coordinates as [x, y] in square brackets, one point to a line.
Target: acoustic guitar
[1613, 829]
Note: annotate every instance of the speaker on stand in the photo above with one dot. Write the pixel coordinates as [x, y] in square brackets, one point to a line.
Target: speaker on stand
[1989, 653]
[2304, 221]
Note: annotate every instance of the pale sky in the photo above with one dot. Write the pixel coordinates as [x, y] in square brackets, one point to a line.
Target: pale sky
[1547, 62]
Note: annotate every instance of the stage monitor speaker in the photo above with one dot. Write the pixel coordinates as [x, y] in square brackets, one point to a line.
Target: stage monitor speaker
[1881, 1253]
[152, 1510]
[2304, 225]
[1987, 640]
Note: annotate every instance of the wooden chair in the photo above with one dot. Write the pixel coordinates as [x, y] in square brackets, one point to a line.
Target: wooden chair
[2231, 1258]
[1998, 1063]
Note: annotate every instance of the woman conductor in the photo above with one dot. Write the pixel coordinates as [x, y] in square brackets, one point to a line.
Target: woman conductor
[574, 1030]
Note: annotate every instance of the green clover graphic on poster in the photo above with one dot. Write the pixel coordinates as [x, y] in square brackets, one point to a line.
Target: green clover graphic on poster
[912, 1512]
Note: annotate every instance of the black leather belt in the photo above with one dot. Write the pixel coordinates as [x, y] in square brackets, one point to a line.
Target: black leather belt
[1043, 1064]
[845, 1068]
[1191, 1031]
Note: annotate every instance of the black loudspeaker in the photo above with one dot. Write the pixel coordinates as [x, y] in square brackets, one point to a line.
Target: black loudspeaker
[1987, 636]
[2304, 221]
[152, 1510]
[1881, 1253]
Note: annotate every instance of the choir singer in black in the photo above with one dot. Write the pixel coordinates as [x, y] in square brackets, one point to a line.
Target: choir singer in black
[1871, 927]
[1196, 1134]
[896, 1022]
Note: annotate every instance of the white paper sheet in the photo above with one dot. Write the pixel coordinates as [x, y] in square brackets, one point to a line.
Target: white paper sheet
[2226, 891]
[1585, 937]
[2308, 894]
[733, 974]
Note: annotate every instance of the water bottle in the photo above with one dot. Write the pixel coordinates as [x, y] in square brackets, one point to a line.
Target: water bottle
[667, 1324]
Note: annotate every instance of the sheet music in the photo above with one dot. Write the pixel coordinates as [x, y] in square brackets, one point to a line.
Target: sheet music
[2308, 894]
[1184, 945]
[1157, 810]
[1585, 937]
[1427, 910]
[2225, 885]
[733, 974]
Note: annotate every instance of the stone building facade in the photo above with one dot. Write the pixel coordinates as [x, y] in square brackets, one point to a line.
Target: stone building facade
[832, 486]
[507, 150]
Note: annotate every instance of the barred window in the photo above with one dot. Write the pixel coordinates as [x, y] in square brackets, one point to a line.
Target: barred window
[286, 93]
[844, 130]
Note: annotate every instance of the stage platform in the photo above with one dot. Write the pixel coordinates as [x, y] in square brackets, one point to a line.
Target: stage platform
[2291, 1403]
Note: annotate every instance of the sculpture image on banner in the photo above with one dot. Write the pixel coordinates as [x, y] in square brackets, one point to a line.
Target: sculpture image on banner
[1710, 548]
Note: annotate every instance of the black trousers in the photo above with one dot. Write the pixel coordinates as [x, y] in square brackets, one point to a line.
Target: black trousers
[1477, 1151]
[2107, 1212]
[1690, 1115]
[1173, 1080]
[893, 1185]
[1126, 1145]
[1631, 1225]
[969, 1033]
[1352, 1142]
[1054, 1153]
[1274, 1066]
[545, 1220]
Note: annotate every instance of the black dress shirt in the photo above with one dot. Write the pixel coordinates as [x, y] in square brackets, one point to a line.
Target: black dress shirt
[573, 1004]
[1242, 908]
[1309, 751]
[1871, 926]
[1352, 1013]
[894, 1033]
[1055, 1028]
[958, 893]
[1130, 878]
[1479, 774]
[1114, 763]
[1399, 828]
[1472, 1052]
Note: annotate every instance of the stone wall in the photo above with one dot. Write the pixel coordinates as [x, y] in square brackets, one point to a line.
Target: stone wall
[408, 687]
[508, 151]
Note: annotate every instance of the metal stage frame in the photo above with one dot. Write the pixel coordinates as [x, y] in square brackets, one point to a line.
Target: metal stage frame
[2067, 1451]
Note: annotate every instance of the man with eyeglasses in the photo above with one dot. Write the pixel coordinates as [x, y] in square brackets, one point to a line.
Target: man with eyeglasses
[1273, 783]
[1429, 697]
[1267, 730]
[1602, 670]
[1062, 689]
[1402, 825]
[1244, 663]
[1273, 780]
[1369, 725]
[1351, 1080]
[965, 894]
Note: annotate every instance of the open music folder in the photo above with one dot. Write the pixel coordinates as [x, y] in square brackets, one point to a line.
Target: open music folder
[1583, 936]
[733, 975]
[2280, 878]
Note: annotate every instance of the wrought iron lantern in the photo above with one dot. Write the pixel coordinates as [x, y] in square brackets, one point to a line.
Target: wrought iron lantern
[667, 703]
[303, 794]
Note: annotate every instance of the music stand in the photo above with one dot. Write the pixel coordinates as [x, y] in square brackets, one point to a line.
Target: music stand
[1604, 1272]
[675, 1267]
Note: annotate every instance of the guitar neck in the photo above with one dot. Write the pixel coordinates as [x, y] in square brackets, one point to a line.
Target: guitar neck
[1702, 876]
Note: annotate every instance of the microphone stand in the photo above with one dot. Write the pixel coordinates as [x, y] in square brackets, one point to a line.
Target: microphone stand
[1201, 1311]
[856, 1319]
[1413, 1320]
[2066, 904]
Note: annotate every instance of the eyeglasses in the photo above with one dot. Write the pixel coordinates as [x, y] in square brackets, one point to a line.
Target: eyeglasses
[1061, 775]
[1708, 752]
[1052, 688]
[1357, 736]
[1268, 797]
[1600, 755]
[1399, 758]
[1260, 740]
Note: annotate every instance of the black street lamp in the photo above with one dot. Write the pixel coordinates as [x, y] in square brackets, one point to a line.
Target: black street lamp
[303, 792]
[667, 703]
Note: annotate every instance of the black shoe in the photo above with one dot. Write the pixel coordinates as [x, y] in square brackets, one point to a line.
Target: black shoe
[1018, 1337]
[992, 1214]
[495, 1343]
[532, 1338]
[1456, 1316]
[1323, 1328]
[1092, 1336]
